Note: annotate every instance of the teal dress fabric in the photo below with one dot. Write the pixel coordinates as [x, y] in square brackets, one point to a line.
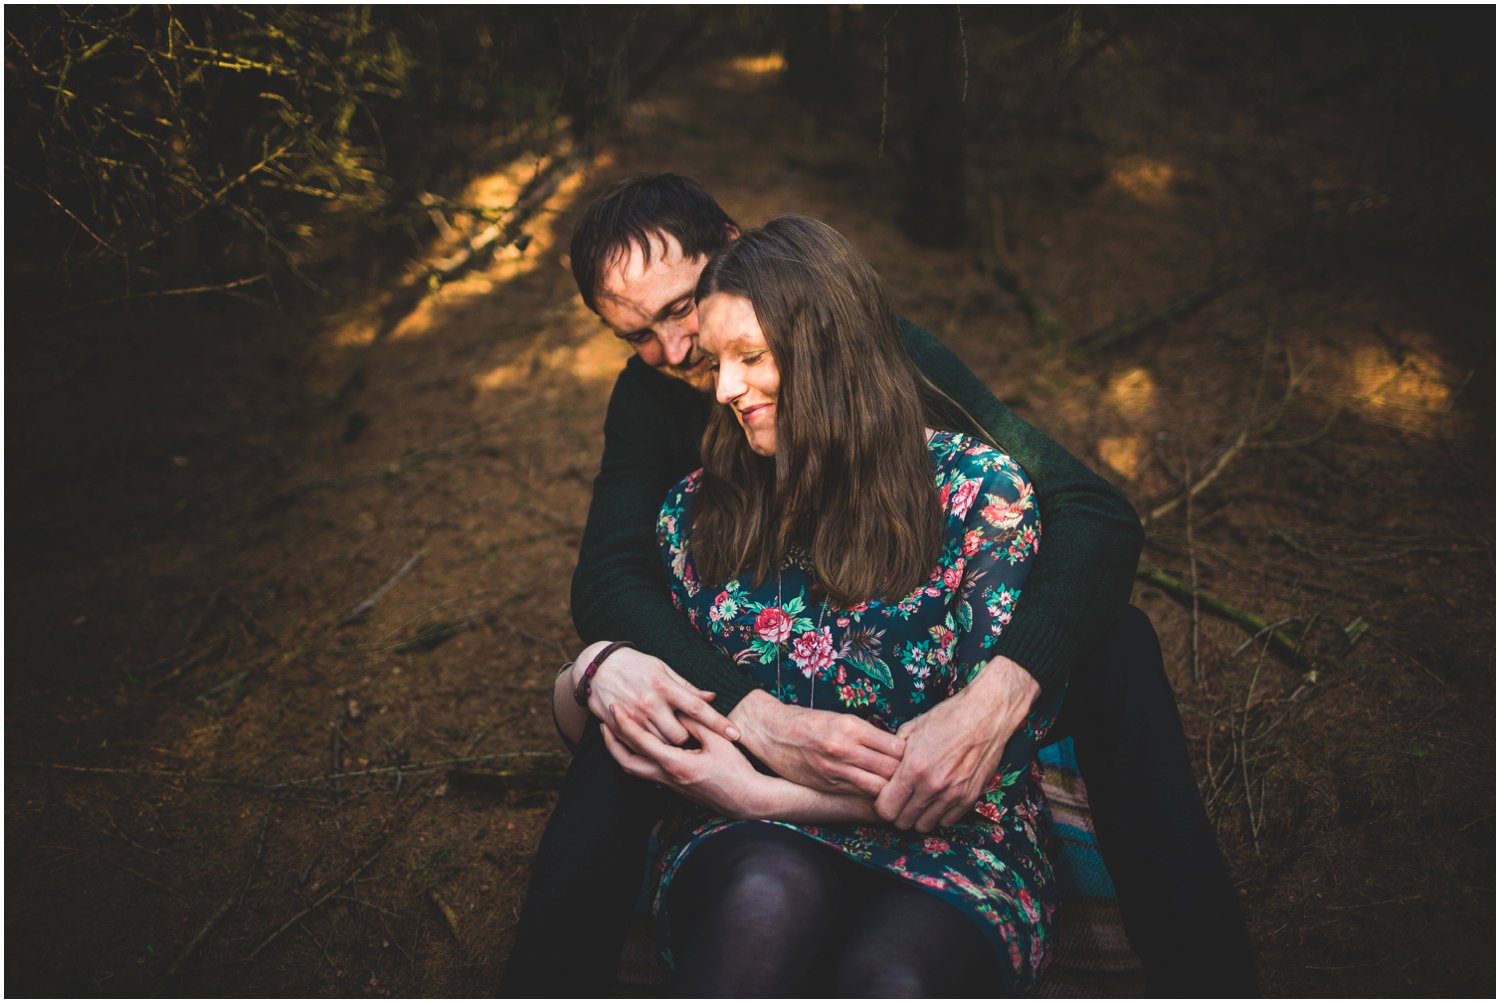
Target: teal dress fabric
[889, 662]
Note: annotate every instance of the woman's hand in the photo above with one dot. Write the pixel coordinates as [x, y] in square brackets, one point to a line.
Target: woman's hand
[716, 775]
[646, 688]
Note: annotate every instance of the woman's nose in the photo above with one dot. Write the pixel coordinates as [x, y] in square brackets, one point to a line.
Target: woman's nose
[729, 387]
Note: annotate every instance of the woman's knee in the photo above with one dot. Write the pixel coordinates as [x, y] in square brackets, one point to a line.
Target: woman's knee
[763, 874]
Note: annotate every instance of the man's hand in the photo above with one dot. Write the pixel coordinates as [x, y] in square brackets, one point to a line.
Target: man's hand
[825, 750]
[652, 694]
[953, 750]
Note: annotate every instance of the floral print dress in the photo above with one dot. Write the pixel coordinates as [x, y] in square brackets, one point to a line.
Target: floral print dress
[889, 662]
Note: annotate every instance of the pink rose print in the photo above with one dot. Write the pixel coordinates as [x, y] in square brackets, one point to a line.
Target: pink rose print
[972, 542]
[963, 499]
[772, 624]
[813, 651]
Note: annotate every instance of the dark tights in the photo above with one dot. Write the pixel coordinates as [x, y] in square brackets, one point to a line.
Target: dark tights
[759, 910]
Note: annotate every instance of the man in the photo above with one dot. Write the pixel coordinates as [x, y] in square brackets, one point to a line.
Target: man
[636, 255]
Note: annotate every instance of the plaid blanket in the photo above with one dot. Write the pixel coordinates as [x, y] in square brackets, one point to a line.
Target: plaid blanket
[1090, 956]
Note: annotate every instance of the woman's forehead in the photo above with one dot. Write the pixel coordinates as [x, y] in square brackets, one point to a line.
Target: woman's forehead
[727, 322]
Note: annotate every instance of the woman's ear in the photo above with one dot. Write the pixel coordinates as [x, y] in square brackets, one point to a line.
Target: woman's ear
[731, 231]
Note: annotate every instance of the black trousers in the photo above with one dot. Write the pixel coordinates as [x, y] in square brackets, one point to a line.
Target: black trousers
[1180, 908]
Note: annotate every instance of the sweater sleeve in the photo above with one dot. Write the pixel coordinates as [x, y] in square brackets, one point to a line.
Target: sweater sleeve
[1084, 571]
[618, 592]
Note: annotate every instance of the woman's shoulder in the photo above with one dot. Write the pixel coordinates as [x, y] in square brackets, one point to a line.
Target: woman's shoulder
[680, 495]
[955, 454]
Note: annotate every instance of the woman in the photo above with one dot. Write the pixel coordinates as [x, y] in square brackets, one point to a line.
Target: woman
[849, 558]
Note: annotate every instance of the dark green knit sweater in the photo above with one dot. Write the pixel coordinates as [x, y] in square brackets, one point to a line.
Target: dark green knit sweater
[1080, 582]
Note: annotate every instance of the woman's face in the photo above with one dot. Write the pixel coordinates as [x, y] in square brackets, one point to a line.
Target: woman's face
[740, 359]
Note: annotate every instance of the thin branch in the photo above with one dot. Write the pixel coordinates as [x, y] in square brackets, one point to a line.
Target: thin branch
[299, 917]
[154, 294]
[368, 604]
[229, 906]
[1195, 489]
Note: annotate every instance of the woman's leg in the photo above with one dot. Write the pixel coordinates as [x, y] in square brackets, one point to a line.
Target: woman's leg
[756, 911]
[904, 941]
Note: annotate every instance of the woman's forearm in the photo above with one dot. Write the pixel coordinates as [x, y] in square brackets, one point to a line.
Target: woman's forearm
[783, 801]
[566, 711]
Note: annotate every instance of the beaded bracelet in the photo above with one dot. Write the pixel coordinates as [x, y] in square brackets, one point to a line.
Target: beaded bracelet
[585, 685]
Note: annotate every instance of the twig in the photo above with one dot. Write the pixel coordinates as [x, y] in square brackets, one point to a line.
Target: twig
[152, 294]
[192, 662]
[449, 916]
[1193, 574]
[1258, 635]
[1204, 481]
[229, 906]
[1244, 757]
[299, 917]
[368, 604]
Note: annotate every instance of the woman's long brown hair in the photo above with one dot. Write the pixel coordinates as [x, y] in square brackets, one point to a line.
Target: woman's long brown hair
[851, 481]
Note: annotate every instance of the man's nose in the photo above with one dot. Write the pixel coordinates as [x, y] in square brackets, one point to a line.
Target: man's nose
[677, 338]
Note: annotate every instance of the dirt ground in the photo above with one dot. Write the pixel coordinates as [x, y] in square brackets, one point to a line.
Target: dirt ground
[223, 779]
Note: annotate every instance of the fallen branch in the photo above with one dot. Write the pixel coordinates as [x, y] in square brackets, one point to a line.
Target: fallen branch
[1286, 645]
[531, 200]
[368, 604]
[416, 767]
[1179, 308]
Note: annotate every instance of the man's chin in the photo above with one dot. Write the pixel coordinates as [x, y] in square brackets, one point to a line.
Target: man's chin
[699, 377]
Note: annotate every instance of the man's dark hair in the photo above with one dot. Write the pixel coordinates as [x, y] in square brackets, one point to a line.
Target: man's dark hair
[636, 211]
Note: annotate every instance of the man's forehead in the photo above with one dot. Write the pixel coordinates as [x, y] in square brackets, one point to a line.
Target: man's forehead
[632, 261]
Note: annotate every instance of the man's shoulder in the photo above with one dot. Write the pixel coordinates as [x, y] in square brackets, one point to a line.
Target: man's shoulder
[638, 386]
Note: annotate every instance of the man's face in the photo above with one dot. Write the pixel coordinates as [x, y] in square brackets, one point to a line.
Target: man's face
[651, 306]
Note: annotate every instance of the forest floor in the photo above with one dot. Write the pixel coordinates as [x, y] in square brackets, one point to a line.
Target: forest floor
[226, 777]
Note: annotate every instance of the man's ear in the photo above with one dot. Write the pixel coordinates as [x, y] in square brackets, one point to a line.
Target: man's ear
[731, 231]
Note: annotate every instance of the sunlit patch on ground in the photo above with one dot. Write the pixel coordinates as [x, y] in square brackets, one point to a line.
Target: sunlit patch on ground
[1412, 393]
[1407, 387]
[1132, 392]
[1144, 178]
[1123, 453]
[750, 71]
[773, 62]
[597, 357]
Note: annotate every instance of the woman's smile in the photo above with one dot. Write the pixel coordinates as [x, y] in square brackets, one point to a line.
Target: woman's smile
[745, 373]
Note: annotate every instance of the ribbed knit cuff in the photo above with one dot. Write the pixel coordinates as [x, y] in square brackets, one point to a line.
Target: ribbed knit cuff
[1044, 651]
[729, 689]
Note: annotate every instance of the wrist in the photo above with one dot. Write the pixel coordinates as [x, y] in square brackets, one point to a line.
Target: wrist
[1004, 678]
[588, 665]
[750, 716]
